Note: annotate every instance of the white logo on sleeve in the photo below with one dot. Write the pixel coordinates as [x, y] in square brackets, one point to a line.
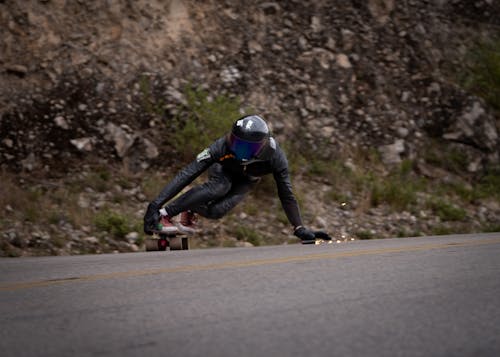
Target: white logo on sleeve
[205, 154]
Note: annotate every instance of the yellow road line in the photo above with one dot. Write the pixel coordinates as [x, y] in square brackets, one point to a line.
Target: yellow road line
[240, 264]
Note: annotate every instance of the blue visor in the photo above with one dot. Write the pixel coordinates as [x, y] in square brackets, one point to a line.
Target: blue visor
[242, 149]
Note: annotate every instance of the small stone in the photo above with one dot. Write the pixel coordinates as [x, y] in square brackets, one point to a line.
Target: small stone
[402, 132]
[18, 69]
[123, 140]
[83, 144]
[254, 46]
[151, 149]
[91, 240]
[331, 44]
[344, 99]
[350, 165]
[230, 74]
[343, 61]
[303, 43]
[405, 96]
[8, 142]
[316, 24]
[132, 237]
[474, 166]
[270, 8]
[134, 247]
[82, 107]
[244, 244]
[327, 131]
[391, 153]
[17, 240]
[61, 122]
[29, 163]
[83, 202]
[177, 95]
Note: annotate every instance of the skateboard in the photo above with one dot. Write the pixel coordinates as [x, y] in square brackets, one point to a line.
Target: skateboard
[161, 241]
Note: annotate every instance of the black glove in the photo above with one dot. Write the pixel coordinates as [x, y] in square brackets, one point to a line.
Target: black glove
[306, 235]
[309, 237]
[151, 219]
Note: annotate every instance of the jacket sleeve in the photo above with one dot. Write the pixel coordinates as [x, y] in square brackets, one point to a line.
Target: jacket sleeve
[284, 186]
[187, 175]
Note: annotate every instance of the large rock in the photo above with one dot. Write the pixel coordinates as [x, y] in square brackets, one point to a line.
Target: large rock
[475, 126]
[122, 139]
[391, 154]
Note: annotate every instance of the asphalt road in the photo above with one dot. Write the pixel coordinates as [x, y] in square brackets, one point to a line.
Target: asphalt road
[433, 296]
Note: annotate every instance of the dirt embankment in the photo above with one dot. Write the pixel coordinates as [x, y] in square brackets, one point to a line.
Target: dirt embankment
[99, 83]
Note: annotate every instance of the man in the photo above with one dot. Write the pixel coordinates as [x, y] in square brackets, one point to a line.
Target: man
[235, 163]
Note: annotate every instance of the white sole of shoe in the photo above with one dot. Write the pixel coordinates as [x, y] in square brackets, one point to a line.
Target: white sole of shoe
[186, 229]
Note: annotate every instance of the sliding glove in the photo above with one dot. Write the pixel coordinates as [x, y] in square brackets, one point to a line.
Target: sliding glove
[151, 218]
[309, 237]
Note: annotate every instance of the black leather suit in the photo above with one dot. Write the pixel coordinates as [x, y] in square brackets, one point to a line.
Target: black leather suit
[229, 181]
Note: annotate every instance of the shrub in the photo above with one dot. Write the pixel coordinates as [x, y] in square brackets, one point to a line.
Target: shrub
[446, 156]
[113, 223]
[203, 120]
[397, 193]
[442, 231]
[399, 189]
[446, 211]
[248, 234]
[488, 185]
[483, 75]
[364, 235]
[151, 101]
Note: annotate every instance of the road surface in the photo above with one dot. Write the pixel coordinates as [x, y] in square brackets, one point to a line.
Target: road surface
[432, 296]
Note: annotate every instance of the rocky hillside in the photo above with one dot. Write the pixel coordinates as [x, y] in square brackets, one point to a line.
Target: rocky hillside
[93, 94]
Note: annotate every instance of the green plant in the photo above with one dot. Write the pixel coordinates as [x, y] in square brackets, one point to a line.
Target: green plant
[150, 103]
[442, 230]
[489, 184]
[448, 157]
[362, 234]
[491, 227]
[113, 223]
[446, 211]
[398, 189]
[244, 233]
[395, 192]
[282, 218]
[99, 180]
[460, 189]
[483, 73]
[204, 119]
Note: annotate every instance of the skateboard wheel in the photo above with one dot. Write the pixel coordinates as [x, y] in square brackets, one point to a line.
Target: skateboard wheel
[175, 243]
[162, 244]
[151, 244]
[179, 243]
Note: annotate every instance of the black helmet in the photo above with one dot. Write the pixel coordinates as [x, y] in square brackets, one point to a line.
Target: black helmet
[248, 136]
